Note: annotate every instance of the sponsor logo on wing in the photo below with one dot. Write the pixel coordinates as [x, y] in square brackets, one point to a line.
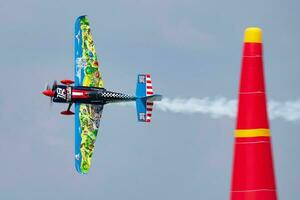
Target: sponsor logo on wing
[81, 63]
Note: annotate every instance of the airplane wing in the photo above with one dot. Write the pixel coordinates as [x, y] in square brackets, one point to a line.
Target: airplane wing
[87, 71]
[87, 117]
[87, 120]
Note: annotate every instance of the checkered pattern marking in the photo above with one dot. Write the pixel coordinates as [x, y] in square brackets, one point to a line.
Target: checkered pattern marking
[115, 95]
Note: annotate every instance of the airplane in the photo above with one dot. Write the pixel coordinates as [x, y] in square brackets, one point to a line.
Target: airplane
[88, 94]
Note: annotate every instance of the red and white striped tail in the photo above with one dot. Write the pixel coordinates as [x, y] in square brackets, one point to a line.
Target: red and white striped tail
[149, 89]
[145, 98]
[149, 92]
[149, 107]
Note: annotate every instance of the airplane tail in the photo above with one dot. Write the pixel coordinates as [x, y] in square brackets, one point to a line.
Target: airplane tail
[145, 98]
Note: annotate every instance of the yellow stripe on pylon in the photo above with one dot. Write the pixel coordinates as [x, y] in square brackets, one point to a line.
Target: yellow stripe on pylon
[261, 132]
[253, 35]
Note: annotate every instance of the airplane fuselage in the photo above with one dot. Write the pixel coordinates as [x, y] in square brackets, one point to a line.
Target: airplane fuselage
[88, 95]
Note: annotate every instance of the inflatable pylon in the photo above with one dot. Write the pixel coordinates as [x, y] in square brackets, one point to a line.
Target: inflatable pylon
[253, 173]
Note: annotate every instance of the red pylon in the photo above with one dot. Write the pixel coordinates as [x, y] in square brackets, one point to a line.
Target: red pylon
[253, 173]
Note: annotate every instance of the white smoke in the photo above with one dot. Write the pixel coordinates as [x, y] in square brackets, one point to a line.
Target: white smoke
[223, 107]
[288, 110]
[219, 107]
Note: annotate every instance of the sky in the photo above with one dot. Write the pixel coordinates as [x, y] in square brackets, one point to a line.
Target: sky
[192, 49]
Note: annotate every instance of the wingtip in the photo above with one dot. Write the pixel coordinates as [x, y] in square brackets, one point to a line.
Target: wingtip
[78, 169]
[81, 17]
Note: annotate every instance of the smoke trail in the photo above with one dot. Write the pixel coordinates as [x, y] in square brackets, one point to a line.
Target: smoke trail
[216, 108]
[288, 110]
[223, 107]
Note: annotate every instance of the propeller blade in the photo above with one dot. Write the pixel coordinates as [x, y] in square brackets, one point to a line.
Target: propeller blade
[54, 85]
[47, 87]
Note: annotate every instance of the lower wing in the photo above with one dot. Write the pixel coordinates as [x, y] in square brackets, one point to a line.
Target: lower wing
[87, 119]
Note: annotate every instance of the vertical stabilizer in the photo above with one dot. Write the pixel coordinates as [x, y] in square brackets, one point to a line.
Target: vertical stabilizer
[145, 98]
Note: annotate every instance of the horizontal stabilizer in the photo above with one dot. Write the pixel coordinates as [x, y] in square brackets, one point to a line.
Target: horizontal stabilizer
[155, 97]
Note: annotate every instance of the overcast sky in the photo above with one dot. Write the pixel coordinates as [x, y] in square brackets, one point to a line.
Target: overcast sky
[192, 48]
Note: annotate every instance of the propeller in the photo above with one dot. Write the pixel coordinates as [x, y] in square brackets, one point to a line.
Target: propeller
[53, 88]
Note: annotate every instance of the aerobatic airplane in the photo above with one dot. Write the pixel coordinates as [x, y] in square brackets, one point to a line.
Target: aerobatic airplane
[88, 94]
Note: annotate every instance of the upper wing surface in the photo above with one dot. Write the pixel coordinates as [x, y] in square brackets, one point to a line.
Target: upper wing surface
[87, 71]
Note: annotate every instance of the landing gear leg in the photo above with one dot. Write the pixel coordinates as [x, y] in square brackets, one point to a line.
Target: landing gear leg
[68, 111]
